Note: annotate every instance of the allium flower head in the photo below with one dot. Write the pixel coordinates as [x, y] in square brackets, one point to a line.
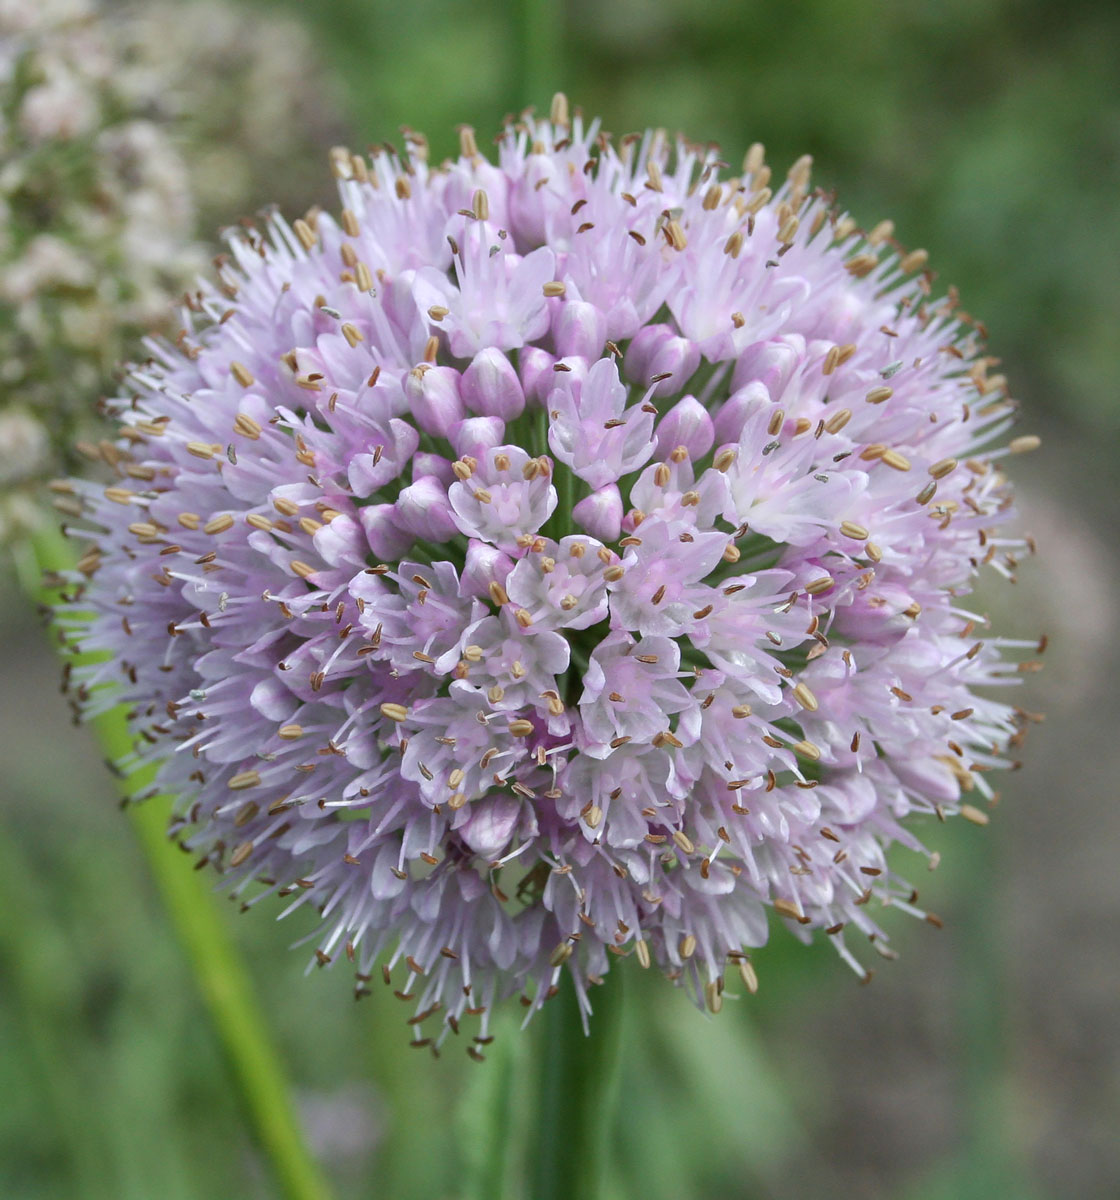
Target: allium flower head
[557, 560]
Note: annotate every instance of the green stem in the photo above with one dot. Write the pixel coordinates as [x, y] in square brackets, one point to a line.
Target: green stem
[201, 930]
[34, 961]
[577, 1089]
[491, 1121]
[988, 1161]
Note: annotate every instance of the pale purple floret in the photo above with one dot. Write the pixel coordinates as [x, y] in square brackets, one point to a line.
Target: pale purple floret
[556, 560]
[561, 585]
[515, 666]
[631, 689]
[663, 572]
[505, 497]
[594, 429]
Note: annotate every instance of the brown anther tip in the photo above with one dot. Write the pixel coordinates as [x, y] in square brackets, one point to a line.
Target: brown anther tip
[971, 813]
[558, 111]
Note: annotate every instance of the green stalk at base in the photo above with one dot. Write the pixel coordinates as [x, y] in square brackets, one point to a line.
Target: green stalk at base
[192, 909]
[577, 1092]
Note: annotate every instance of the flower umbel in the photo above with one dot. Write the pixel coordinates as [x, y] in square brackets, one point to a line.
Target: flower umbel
[557, 559]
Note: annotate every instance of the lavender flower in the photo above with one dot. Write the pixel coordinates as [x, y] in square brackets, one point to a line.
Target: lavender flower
[557, 560]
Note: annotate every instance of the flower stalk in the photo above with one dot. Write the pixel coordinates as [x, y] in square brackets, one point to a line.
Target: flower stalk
[577, 1093]
[223, 982]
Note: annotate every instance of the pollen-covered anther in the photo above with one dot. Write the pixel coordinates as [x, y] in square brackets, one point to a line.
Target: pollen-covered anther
[218, 524]
[916, 260]
[971, 813]
[674, 235]
[246, 426]
[561, 954]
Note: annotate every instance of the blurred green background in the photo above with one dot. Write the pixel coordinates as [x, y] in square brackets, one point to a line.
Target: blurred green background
[986, 1062]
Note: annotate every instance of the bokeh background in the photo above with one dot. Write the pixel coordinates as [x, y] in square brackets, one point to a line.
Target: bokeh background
[986, 1061]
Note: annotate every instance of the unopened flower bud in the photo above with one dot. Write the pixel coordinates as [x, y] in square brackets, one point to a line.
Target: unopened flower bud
[657, 350]
[728, 422]
[476, 435]
[484, 565]
[537, 376]
[686, 424]
[601, 513]
[579, 330]
[436, 465]
[433, 399]
[490, 386]
[423, 509]
[770, 363]
[387, 540]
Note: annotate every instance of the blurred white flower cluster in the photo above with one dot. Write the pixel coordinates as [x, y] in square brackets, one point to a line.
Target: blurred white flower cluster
[118, 126]
[245, 96]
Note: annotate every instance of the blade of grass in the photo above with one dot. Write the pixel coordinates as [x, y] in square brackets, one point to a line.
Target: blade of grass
[35, 965]
[201, 931]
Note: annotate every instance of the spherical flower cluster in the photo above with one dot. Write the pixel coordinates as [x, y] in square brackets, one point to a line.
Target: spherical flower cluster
[557, 560]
